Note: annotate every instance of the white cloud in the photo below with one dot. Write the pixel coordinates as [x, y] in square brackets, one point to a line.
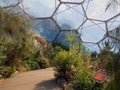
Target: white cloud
[92, 15]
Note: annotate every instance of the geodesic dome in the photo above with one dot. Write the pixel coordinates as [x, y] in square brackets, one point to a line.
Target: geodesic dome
[53, 18]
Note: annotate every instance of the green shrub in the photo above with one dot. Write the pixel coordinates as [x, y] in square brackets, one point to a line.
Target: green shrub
[68, 63]
[15, 39]
[113, 84]
[84, 81]
[43, 63]
[64, 65]
[5, 71]
[49, 53]
[31, 65]
[73, 66]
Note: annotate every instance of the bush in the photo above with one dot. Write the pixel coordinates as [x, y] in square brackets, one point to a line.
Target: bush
[5, 71]
[84, 81]
[73, 66]
[43, 63]
[67, 63]
[49, 53]
[31, 64]
[15, 39]
[64, 65]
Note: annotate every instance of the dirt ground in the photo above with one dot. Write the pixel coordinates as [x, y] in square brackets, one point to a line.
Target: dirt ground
[32, 80]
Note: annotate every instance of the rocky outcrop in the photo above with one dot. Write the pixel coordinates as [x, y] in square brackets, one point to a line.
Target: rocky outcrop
[38, 39]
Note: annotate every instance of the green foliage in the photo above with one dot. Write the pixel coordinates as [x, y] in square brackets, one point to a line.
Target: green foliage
[84, 81]
[2, 52]
[84, 76]
[50, 52]
[61, 45]
[73, 65]
[15, 40]
[6, 71]
[31, 65]
[43, 62]
[111, 62]
[34, 63]
[64, 65]
[106, 57]
[67, 63]
[114, 82]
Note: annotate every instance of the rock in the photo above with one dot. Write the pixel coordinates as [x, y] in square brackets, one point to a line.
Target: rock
[40, 39]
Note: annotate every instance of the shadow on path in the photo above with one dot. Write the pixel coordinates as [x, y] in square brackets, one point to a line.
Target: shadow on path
[47, 85]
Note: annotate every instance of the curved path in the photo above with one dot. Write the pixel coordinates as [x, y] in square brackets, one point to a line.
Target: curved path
[32, 80]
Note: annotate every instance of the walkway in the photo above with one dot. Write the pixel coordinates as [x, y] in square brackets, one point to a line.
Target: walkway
[32, 80]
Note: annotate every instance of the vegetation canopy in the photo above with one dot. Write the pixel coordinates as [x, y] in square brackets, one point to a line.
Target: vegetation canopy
[15, 39]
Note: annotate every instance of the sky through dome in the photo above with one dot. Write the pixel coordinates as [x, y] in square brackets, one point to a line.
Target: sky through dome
[89, 19]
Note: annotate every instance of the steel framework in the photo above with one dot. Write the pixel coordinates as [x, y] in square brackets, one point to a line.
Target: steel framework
[84, 10]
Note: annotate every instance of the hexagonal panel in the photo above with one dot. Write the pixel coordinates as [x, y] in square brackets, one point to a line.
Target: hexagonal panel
[63, 36]
[46, 28]
[78, 1]
[15, 9]
[40, 8]
[69, 16]
[115, 33]
[114, 44]
[91, 47]
[114, 23]
[92, 31]
[96, 9]
[18, 11]
[5, 3]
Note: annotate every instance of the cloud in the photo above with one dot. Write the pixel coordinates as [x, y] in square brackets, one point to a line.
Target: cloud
[94, 14]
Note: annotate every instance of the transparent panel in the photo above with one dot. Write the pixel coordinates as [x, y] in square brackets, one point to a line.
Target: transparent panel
[92, 31]
[62, 37]
[91, 47]
[39, 8]
[96, 9]
[15, 9]
[114, 23]
[5, 3]
[113, 43]
[72, 1]
[69, 16]
[18, 11]
[46, 28]
[115, 33]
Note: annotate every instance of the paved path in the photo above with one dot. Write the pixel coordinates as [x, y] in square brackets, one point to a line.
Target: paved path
[32, 80]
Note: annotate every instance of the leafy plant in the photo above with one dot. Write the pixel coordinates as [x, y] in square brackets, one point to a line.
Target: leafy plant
[69, 63]
[6, 71]
[113, 84]
[64, 65]
[43, 62]
[106, 57]
[73, 65]
[15, 39]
